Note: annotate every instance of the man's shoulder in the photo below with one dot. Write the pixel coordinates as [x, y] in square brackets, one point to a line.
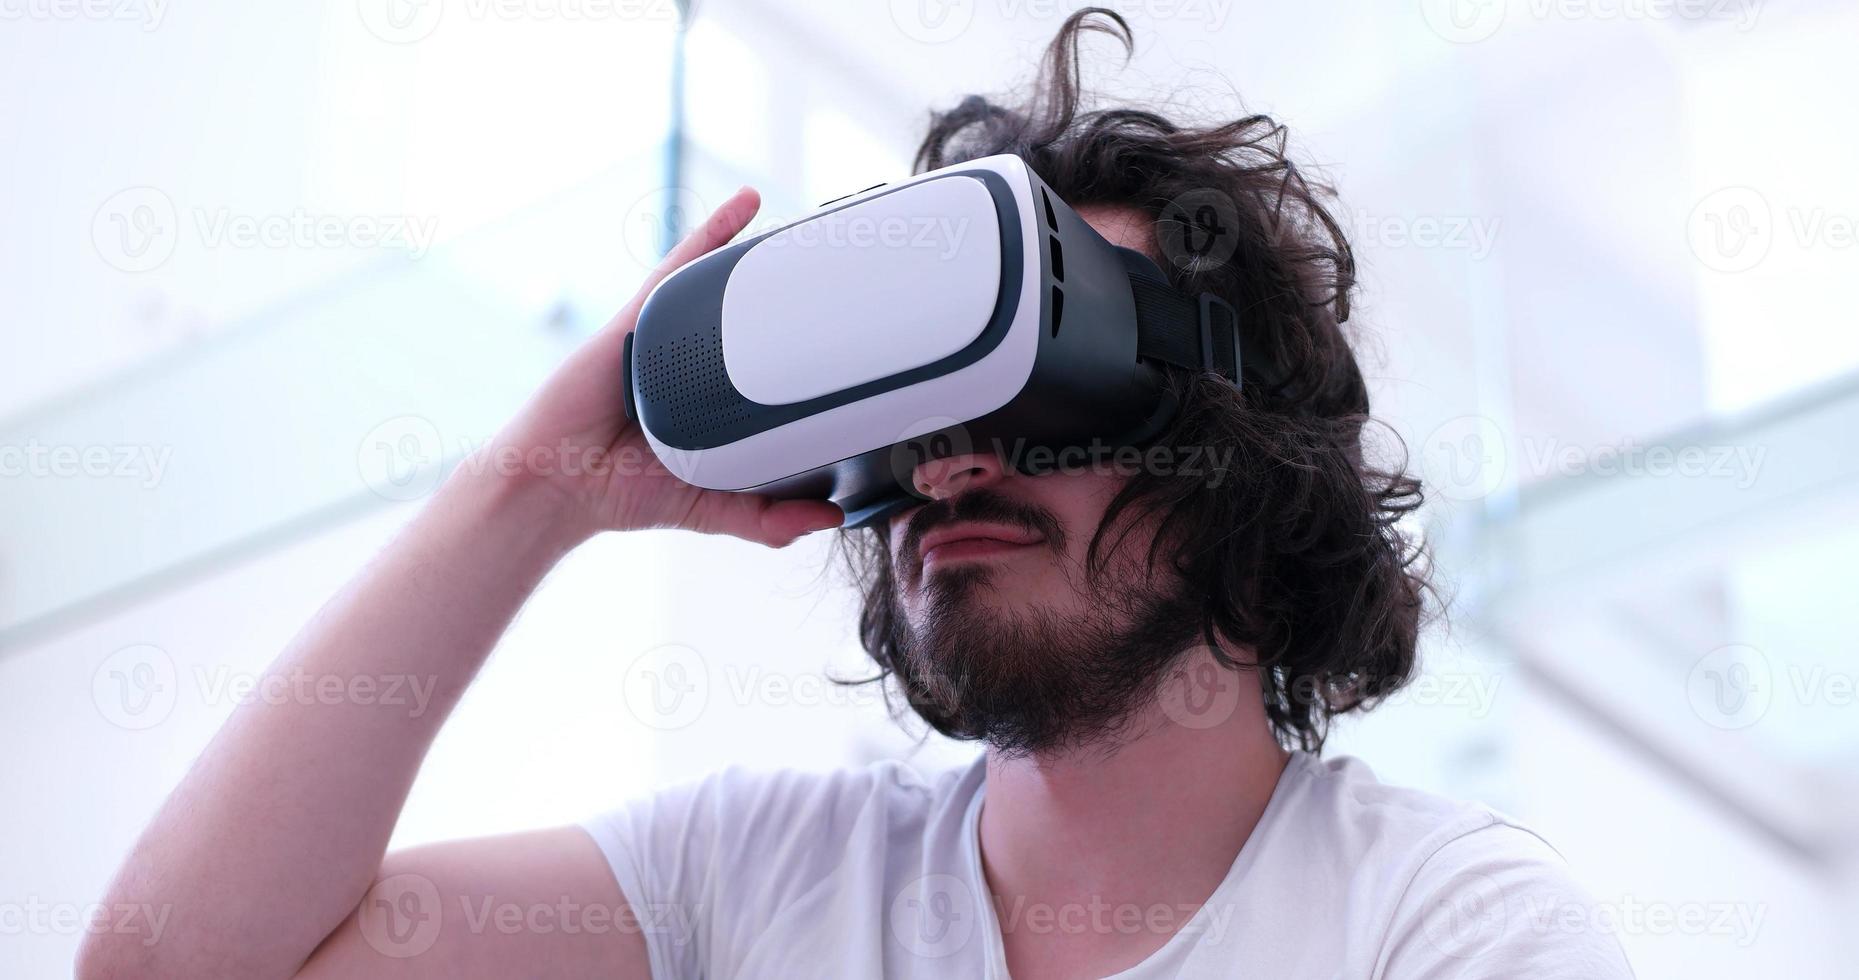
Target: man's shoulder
[1341, 800]
[1401, 845]
[898, 789]
[744, 811]
[774, 833]
[1458, 882]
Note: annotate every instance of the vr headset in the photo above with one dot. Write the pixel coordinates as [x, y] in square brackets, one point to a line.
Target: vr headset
[966, 309]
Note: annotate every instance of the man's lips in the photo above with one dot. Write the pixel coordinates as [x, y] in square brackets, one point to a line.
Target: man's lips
[973, 541]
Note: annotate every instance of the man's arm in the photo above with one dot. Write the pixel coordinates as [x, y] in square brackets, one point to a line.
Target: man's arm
[278, 830]
[535, 905]
[274, 839]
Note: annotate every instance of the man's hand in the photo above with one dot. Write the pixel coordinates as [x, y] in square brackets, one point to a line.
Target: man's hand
[579, 418]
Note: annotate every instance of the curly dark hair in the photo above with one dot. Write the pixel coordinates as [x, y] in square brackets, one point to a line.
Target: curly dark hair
[1297, 553]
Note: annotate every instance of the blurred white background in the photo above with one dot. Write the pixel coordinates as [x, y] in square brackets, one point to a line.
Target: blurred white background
[269, 269]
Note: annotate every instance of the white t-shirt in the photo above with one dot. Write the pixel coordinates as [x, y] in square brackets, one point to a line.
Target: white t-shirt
[876, 872]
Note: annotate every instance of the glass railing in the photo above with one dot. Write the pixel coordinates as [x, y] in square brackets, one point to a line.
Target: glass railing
[361, 392]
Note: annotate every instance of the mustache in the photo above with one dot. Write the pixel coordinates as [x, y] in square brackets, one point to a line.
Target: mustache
[980, 505]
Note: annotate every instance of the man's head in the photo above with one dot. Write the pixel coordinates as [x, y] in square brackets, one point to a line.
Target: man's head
[1041, 612]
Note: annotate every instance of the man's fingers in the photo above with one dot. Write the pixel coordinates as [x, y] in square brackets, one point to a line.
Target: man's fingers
[783, 521]
[715, 232]
[753, 517]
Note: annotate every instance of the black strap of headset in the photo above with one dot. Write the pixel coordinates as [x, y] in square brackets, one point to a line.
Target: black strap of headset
[1200, 333]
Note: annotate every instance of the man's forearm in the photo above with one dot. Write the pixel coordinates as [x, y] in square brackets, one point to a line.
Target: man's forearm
[277, 831]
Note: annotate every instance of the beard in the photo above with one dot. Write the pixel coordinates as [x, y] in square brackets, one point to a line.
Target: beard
[1040, 679]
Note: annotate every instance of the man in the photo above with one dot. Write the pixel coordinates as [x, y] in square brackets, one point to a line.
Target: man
[1151, 655]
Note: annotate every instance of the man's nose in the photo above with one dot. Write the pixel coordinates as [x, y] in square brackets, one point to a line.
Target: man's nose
[939, 479]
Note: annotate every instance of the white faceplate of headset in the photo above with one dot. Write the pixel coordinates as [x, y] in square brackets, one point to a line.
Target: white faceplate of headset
[899, 414]
[862, 293]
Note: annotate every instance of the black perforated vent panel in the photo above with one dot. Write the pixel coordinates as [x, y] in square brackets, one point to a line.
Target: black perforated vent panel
[687, 376]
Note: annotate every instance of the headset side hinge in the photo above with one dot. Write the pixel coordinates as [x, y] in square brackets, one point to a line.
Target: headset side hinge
[1218, 316]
